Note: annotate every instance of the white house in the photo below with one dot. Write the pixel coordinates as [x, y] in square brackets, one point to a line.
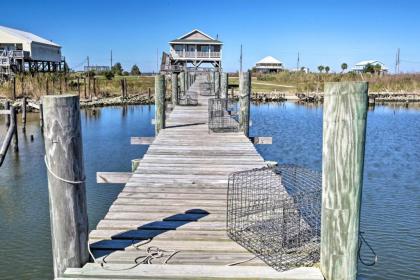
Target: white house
[360, 66]
[34, 47]
[269, 64]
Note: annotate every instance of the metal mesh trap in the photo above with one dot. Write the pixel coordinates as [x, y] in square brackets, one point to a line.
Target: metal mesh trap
[190, 99]
[275, 213]
[223, 115]
[207, 89]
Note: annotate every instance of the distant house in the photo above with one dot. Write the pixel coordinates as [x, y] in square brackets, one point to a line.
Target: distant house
[269, 65]
[360, 66]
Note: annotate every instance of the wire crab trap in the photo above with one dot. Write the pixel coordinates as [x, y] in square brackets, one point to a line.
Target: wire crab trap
[190, 99]
[275, 213]
[223, 115]
[207, 89]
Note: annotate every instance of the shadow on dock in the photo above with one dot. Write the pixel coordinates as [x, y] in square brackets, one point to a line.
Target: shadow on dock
[148, 231]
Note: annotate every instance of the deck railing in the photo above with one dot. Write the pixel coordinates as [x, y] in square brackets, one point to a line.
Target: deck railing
[195, 54]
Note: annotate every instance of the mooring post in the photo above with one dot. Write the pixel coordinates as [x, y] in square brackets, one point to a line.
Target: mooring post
[224, 85]
[244, 101]
[174, 79]
[14, 89]
[84, 83]
[344, 131]
[149, 96]
[41, 119]
[182, 83]
[13, 120]
[7, 117]
[66, 182]
[159, 103]
[78, 85]
[212, 79]
[122, 89]
[217, 83]
[24, 102]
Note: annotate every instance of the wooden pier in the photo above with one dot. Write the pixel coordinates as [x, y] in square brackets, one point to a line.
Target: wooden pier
[169, 221]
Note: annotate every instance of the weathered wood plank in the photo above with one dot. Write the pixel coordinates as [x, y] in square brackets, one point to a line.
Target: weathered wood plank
[112, 177]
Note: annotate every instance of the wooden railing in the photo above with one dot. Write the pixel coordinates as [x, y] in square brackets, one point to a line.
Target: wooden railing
[194, 54]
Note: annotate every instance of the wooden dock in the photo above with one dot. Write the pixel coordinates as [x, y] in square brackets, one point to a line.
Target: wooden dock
[169, 221]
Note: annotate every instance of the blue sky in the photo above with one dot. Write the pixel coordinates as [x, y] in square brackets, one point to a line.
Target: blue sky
[323, 32]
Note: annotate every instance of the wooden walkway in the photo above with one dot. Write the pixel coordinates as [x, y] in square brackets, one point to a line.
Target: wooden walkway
[174, 205]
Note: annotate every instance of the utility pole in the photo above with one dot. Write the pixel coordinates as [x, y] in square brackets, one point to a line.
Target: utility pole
[397, 62]
[240, 61]
[111, 59]
[298, 63]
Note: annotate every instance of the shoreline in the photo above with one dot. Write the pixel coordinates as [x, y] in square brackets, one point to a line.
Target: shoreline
[382, 98]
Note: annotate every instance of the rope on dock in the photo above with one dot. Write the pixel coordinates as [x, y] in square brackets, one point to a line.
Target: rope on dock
[152, 252]
[58, 177]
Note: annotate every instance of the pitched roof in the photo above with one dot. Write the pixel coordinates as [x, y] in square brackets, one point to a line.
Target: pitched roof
[269, 59]
[364, 63]
[197, 36]
[26, 36]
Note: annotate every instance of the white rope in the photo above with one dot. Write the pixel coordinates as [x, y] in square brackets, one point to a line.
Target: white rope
[58, 177]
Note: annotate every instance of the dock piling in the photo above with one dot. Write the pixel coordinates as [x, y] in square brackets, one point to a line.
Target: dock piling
[224, 85]
[244, 101]
[174, 80]
[7, 118]
[160, 90]
[182, 83]
[24, 103]
[217, 84]
[66, 182]
[344, 130]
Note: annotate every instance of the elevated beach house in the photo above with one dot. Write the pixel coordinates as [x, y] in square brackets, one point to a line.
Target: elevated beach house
[193, 49]
[269, 64]
[361, 66]
[23, 51]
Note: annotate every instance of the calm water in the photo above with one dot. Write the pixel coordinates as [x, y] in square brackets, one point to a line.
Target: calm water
[391, 194]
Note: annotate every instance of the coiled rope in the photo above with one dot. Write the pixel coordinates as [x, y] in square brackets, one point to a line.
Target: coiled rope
[361, 241]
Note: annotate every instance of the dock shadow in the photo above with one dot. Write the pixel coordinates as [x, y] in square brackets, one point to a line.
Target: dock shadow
[184, 125]
[148, 231]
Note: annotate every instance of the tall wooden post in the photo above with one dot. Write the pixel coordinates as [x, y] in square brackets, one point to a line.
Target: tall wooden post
[344, 130]
[182, 83]
[94, 86]
[14, 89]
[149, 95]
[7, 116]
[122, 88]
[160, 90]
[217, 83]
[78, 85]
[224, 85]
[41, 115]
[13, 120]
[174, 80]
[66, 182]
[212, 82]
[84, 83]
[46, 86]
[244, 101]
[24, 102]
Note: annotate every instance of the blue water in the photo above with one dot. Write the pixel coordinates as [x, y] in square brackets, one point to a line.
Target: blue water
[391, 194]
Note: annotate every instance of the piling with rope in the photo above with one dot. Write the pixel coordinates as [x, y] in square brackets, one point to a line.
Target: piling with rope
[66, 182]
[344, 132]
